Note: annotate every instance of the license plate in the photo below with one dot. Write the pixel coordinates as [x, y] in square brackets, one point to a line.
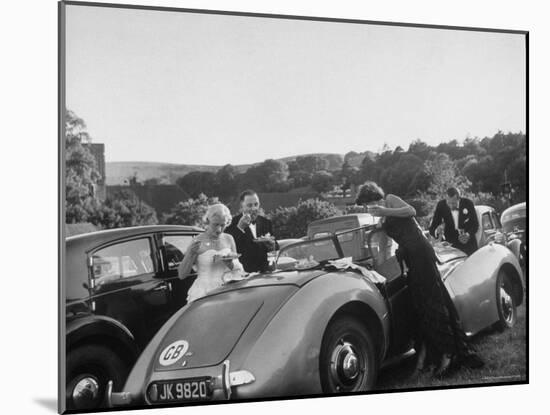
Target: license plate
[180, 390]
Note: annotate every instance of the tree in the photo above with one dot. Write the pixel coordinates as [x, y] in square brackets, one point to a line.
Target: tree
[226, 181]
[420, 148]
[81, 173]
[269, 176]
[350, 175]
[190, 212]
[443, 174]
[292, 222]
[299, 178]
[350, 155]
[369, 169]
[123, 209]
[322, 181]
[399, 177]
[197, 182]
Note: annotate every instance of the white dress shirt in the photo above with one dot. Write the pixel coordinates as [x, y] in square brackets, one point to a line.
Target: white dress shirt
[252, 227]
[455, 217]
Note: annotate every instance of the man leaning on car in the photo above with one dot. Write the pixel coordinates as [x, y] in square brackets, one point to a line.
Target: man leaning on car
[459, 217]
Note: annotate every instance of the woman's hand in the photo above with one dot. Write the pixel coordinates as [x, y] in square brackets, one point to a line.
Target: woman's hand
[189, 259]
[194, 247]
[377, 210]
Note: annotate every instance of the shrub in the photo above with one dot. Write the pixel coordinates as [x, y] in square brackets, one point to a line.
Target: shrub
[292, 222]
[190, 212]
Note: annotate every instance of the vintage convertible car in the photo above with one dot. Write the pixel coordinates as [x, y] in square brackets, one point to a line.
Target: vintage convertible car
[324, 322]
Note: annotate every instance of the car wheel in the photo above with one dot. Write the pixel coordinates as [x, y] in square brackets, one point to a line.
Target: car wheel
[89, 368]
[506, 304]
[348, 360]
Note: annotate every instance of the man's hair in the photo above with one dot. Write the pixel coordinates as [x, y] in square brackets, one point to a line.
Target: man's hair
[369, 192]
[247, 192]
[452, 192]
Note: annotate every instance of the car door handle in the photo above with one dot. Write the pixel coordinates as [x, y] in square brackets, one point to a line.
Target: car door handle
[162, 287]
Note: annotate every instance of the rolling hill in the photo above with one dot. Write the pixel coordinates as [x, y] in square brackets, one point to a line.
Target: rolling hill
[118, 172]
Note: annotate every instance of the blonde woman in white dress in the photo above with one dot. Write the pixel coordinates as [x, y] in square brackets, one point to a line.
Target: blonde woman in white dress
[213, 253]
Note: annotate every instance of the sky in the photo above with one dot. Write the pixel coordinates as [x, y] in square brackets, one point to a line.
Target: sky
[213, 89]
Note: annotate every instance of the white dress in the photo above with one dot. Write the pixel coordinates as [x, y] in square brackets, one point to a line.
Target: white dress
[210, 274]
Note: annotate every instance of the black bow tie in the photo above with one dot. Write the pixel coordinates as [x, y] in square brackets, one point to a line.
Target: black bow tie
[454, 209]
[253, 222]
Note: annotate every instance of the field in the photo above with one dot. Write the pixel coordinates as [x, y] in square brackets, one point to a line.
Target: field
[504, 354]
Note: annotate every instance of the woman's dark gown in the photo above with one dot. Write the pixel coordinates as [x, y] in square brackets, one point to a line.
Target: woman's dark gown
[437, 324]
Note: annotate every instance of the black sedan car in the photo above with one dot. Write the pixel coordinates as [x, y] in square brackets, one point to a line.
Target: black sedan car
[120, 286]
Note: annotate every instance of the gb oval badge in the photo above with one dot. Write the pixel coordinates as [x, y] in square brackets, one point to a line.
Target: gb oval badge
[174, 352]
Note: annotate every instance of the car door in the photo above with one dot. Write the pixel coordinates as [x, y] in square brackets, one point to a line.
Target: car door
[126, 287]
[382, 249]
[173, 246]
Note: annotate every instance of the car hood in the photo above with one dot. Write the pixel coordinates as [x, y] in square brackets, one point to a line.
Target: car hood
[297, 278]
[208, 329]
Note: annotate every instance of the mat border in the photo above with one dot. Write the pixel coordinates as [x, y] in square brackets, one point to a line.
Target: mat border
[61, 186]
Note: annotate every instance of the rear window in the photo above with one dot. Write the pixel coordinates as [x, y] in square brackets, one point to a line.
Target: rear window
[321, 235]
[123, 260]
[175, 247]
[496, 220]
[486, 222]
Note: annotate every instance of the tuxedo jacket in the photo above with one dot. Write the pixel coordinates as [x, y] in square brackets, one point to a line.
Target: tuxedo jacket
[253, 255]
[467, 220]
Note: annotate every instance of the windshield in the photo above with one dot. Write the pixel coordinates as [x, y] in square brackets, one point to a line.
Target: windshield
[355, 243]
[309, 253]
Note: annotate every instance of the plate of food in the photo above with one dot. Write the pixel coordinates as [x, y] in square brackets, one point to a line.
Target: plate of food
[265, 238]
[235, 276]
[306, 263]
[230, 255]
[227, 257]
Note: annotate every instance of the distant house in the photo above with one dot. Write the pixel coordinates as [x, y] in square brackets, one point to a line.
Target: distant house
[161, 197]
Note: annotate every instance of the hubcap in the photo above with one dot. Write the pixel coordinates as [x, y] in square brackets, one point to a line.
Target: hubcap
[507, 305]
[345, 366]
[85, 392]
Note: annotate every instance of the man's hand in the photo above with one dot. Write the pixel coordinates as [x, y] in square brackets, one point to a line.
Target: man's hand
[244, 221]
[464, 238]
[271, 244]
[439, 232]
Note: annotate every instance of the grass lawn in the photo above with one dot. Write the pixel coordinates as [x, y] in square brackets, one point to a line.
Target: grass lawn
[504, 354]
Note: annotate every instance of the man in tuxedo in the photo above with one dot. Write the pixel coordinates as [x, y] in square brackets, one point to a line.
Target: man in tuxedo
[459, 217]
[253, 234]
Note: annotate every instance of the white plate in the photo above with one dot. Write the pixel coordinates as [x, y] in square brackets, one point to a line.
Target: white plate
[309, 265]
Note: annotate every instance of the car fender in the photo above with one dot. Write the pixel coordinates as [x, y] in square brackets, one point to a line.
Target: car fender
[285, 358]
[104, 329]
[472, 285]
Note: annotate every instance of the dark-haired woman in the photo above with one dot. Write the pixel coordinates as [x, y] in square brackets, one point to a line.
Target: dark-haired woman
[438, 333]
